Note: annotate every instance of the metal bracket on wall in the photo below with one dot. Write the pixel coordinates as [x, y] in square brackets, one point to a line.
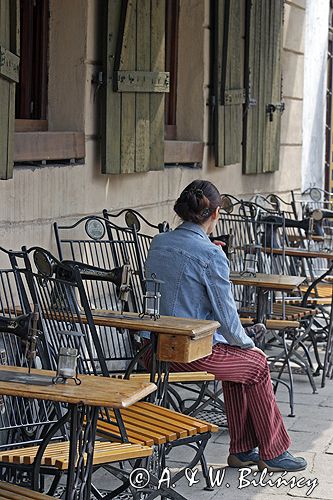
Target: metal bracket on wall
[142, 81]
[9, 65]
[236, 96]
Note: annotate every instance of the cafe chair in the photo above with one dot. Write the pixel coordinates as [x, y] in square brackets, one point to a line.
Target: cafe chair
[34, 439]
[115, 240]
[257, 229]
[67, 321]
[142, 230]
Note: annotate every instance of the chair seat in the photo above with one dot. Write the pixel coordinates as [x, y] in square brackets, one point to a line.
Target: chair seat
[175, 377]
[322, 290]
[314, 301]
[290, 312]
[293, 311]
[149, 424]
[272, 324]
[57, 454]
[12, 492]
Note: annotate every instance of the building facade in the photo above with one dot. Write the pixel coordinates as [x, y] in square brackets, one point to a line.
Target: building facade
[115, 131]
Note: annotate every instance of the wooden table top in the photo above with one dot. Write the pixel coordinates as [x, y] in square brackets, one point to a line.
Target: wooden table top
[194, 328]
[268, 281]
[299, 252]
[93, 391]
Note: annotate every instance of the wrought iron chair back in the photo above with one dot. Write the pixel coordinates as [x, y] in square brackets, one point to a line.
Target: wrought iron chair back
[20, 418]
[105, 253]
[106, 246]
[66, 317]
[67, 321]
[143, 232]
[23, 421]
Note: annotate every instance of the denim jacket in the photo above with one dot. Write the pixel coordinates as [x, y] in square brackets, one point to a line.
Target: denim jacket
[196, 281]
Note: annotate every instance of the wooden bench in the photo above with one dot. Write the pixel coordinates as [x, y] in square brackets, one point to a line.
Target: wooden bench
[272, 324]
[57, 454]
[148, 424]
[12, 492]
[293, 312]
[322, 290]
[311, 301]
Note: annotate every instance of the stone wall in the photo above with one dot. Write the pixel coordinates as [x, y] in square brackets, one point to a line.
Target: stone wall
[37, 196]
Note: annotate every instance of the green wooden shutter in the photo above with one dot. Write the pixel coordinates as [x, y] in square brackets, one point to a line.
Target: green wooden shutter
[133, 135]
[228, 82]
[261, 141]
[9, 75]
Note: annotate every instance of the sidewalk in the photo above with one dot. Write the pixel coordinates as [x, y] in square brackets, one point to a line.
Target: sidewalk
[311, 431]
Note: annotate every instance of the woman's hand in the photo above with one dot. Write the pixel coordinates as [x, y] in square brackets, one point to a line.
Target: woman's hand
[219, 243]
[258, 350]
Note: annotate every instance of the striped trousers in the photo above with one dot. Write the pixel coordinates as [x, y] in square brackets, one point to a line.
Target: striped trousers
[253, 416]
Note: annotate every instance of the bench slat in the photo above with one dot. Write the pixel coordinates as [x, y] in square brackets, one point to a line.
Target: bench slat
[200, 425]
[14, 492]
[56, 454]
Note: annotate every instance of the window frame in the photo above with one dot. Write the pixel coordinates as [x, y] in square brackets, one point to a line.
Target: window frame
[33, 142]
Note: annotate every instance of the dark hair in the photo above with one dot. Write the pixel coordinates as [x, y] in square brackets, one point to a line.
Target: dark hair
[198, 201]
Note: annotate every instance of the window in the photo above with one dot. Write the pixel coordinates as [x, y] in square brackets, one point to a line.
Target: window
[35, 141]
[171, 65]
[31, 92]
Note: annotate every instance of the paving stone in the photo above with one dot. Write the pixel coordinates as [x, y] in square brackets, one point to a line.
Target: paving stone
[329, 450]
[312, 437]
[322, 471]
[307, 399]
[328, 402]
[316, 442]
[221, 438]
[216, 453]
[310, 422]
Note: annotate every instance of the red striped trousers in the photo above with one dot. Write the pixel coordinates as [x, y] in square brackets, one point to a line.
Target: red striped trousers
[253, 416]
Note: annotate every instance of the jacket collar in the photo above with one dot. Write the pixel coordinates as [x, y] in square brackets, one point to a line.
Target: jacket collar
[194, 228]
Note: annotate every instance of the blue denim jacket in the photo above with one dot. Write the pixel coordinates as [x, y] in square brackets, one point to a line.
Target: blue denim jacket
[196, 281]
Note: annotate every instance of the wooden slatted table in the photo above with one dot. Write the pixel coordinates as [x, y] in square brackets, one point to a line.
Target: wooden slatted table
[268, 281]
[264, 283]
[178, 339]
[84, 402]
[299, 252]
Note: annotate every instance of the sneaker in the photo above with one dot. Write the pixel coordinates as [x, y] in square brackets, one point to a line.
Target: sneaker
[244, 459]
[285, 462]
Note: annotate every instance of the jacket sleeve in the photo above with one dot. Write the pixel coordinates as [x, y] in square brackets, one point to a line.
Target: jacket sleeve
[222, 301]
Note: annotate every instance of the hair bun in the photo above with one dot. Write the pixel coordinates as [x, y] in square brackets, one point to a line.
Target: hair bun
[198, 193]
[198, 201]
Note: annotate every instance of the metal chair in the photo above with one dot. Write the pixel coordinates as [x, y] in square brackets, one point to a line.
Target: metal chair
[67, 320]
[256, 232]
[34, 432]
[110, 244]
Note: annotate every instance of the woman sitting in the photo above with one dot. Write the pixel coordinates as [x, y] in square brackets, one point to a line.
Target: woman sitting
[196, 284]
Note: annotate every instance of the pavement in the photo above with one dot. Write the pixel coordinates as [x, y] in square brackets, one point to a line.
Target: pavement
[311, 431]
